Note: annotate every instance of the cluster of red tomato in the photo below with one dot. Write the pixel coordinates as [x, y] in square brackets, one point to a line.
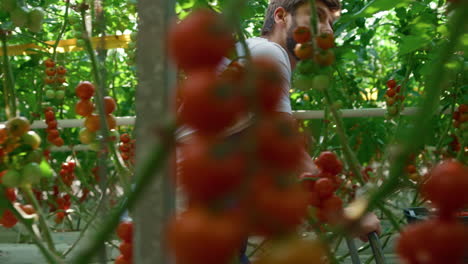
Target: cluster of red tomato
[125, 233]
[7, 218]
[53, 135]
[55, 77]
[321, 187]
[443, 239]
[393, 98]
[85, 107]
[304, 49]
[127, 148]
[62, 204]
[67, 172]
[237, 185]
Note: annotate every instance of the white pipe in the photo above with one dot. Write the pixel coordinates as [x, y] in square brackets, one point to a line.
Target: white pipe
[68, 123]
[300, 114]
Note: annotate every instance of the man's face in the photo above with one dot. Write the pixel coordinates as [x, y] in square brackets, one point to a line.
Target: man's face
[302, 18]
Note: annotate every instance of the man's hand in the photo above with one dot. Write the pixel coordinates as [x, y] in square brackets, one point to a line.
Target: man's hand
[369, 223]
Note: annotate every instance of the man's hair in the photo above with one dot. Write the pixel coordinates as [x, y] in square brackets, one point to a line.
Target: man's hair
[290, 6]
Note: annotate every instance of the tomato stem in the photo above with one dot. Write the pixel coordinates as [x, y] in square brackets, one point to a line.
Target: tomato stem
[42, 222]
[9, 83]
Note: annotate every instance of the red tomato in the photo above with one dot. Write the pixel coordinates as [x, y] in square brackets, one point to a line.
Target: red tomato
[324, 187]
[391, 83]
[3, 134]
[302, 34]
[126, 249]
[125, 138]
[209, 168]
[332, 208]
[122, 260]
[463, 108]
[61, 70]
[308, 180]
[49, 116]
[447, 187]
[390, 92]
[49, 63]
[109, 104]
[28, 209]
[325, 41]
[92, 123]
[304, 51]
[209, 104]
[52, 124]
[8, 219]
[50, 71]
[329, 162]
[85, 90]
[49, 80]
[84, 108]
[279, 143]
[10, 194]
[202, 31]
[197, 236]
[433, 241]
[325, 58]
[276, 210]
[59, 217]
[125, 231]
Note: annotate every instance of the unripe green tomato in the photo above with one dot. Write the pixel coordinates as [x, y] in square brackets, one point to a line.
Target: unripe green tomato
[132, 45]
[31, 139]
[60, 94]
[19, 16]
[11, 179]
[34, 156]
[133, 36]
[32, 173]
[320, 82]
[86, 137]
[8, 5]
[114, 135]
[94, 146]
[36, 19]
[50, 94]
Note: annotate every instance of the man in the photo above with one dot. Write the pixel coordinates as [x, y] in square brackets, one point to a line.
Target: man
[276, 42]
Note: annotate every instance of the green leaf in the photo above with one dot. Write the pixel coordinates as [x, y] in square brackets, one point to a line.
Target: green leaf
[376, 6]
[412, 43]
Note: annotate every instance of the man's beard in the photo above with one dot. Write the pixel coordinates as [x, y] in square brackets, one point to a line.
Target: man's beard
[290, 42]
